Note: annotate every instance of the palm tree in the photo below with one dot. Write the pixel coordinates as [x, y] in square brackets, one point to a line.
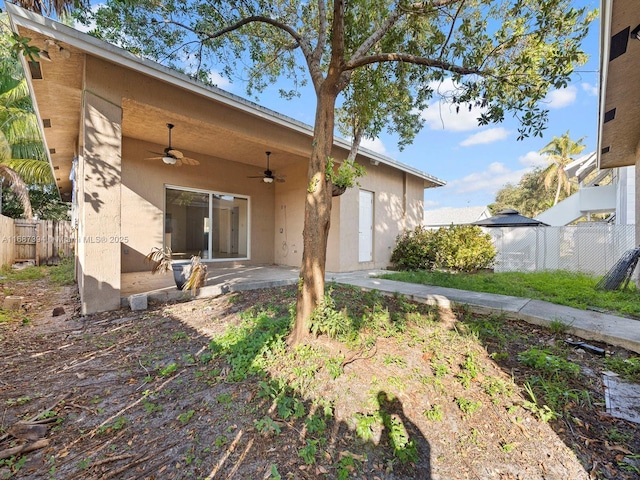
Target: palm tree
[560, 152]
[50, 7]
[15, 182]
[20, 133]
[22, 156]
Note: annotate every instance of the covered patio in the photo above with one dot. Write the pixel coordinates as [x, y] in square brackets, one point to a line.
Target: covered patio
[162, 287]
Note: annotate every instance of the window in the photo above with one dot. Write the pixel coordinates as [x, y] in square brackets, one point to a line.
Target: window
[210, 224]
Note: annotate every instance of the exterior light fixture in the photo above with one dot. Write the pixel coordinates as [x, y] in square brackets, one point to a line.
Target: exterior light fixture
[52, 44]
[44, 55]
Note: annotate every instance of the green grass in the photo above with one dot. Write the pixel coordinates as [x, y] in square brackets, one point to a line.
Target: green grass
[27, 273]
[564, 288]
[62, 274]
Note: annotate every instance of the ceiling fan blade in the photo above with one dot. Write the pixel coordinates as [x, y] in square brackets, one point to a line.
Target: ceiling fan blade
[153, 158]
[189, 161]
[280, 180]
[175, 153]
[255, 176]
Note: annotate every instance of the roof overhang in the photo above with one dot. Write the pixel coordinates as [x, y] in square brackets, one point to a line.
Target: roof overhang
[58, 95]
[619, 106]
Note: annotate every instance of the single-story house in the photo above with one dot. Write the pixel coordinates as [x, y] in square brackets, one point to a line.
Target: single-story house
[619, 130]
[447, 216]
[151, 158]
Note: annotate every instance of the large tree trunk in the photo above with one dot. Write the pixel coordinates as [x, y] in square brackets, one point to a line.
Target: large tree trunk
[317, 218]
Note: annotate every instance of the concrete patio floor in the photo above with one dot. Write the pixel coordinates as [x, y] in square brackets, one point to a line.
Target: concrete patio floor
[162, 287]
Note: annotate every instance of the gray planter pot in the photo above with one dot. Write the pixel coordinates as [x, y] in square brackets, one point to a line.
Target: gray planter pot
[337, 191]
[181, 272]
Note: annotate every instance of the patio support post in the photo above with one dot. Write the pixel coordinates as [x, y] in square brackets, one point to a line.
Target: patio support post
[99, 198]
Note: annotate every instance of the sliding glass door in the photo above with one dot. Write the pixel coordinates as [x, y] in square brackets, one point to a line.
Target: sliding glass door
[210, 224]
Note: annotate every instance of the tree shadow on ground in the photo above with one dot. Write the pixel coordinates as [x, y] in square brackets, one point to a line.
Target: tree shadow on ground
[148, 395]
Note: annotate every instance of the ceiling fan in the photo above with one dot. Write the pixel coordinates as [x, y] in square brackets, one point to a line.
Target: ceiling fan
[171, 156]
[268, 176]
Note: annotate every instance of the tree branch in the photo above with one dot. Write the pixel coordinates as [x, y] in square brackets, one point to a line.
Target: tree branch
[337, 41]
[407, 58]
[417, 6]
[376, 36]
[300, 41]
[322, 33]
[451, 30]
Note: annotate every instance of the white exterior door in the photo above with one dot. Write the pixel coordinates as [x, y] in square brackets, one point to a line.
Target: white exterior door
[365, 230]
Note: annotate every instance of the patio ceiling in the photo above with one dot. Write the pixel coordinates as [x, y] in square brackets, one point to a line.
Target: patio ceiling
[59, 103]
[619, 141]
[58, 86]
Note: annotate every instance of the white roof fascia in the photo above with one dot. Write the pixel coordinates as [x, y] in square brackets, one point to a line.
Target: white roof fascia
[605, 40]
[119, 56]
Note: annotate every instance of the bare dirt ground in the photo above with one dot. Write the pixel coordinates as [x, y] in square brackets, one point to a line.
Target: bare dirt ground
[167, 394]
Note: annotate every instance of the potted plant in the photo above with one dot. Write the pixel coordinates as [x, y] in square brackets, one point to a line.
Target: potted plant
[188, 274]
[344, 176]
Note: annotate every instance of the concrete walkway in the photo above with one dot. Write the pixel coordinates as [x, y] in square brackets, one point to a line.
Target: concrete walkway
[586, 324]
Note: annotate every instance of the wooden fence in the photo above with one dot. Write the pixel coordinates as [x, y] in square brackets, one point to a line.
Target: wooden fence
[43, 242]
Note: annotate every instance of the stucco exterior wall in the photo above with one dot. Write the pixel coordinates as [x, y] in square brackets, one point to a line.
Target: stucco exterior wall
[118, 84]
[398, 204]
[276, 210]
[99, 206]
[289, 217]
[143, 198]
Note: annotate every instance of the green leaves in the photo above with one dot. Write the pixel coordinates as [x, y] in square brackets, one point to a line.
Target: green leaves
[504, 56]
[463, 248]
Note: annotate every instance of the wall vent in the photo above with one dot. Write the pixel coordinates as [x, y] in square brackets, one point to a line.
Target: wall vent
[610, 115]
[35, 70]
[619, 44]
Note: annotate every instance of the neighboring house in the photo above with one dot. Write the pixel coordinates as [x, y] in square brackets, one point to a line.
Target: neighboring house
[619, 129]
[104, 112]
[447, 216]
[604, 191]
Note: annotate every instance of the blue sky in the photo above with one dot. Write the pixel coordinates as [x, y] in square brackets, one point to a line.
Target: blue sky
[474, 161]
[477, 161]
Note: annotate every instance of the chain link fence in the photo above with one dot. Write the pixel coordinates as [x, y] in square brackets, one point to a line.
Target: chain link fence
[591, 248]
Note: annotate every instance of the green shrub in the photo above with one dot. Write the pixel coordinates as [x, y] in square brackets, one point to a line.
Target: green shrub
[414, 250]
[463, 248]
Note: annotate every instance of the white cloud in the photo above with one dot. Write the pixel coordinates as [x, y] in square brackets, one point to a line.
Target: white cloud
[486, 136]
[533, 159]
[562, 98]
[591, 90]
[219, 81]
[442, 115]
[489, 181]
[375, 145]
[431, 203]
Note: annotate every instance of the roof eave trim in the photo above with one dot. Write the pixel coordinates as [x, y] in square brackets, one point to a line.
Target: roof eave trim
[605, 40]
[119, 56]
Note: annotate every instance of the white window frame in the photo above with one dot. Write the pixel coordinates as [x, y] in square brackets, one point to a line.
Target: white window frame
[211, 193]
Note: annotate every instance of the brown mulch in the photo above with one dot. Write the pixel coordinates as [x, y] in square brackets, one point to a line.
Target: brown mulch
[136, 395]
